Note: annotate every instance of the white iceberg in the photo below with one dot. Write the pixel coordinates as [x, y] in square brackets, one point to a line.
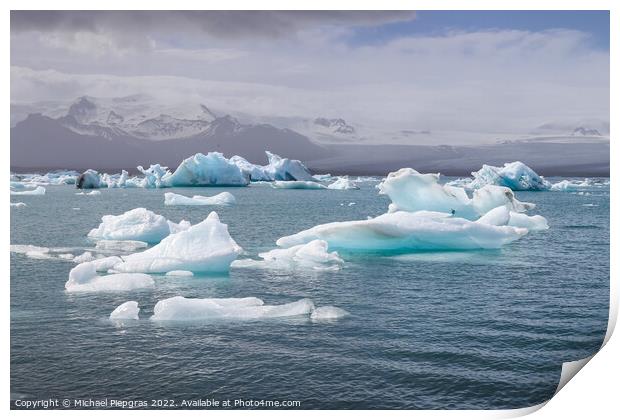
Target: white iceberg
[205, 170]
[298, 185]
[222, 199]
[502, 216]
[179, 308]
[84, 278]
[515, 175]
[412, 191]
[138, 224]
[408, 232]
[324, 313]
[204, 247]
[152, 176]
[127, 310]
[36, 191]
[313, 256]
[343, 183]
[278, 169]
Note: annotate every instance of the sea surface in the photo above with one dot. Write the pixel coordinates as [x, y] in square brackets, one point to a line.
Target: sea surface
[435, 330]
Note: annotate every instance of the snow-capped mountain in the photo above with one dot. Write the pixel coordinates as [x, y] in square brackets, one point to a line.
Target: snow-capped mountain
[336, 125]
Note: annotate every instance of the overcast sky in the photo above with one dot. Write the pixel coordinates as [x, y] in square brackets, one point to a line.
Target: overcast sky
[471, 71]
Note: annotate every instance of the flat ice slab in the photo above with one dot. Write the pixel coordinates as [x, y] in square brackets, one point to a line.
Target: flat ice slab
[222, 199]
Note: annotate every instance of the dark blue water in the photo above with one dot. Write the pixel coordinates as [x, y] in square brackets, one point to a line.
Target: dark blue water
[475, 330]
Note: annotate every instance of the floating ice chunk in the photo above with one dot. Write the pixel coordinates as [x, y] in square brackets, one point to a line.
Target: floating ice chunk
[408, 232]
[327, 313]
[205, 170]
[124, 246]
[343, 183]
[88, 180]
[37, 191]
[567, 185]
[94, 192]
[278, 169]
[32, 251]
[531, 223]
[502, 216]
[84, 278]
[313, 256]
[137, 225]
[323, 177]
[105, 264]
[298, 185]
[127, 310]
[204, 247]
[55, 178]
[18, 204]
[491, 196]
[153, 176]
[179, 273]
[84, 257]
[222, 199]
[515, 175]
[179, 308]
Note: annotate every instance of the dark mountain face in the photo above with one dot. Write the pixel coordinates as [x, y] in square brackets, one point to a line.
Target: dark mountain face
[43, 142]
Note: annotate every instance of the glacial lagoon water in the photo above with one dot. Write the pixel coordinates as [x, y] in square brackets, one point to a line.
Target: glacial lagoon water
[457, 330]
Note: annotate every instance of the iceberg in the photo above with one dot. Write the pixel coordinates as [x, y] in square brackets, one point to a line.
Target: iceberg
[324, 313]
[407, 232]
[221, 199]
[36, 191]
[204, 247]
[567, 185]
[278, 169]
[313, 256]
[502, 216]
[153, 176]
[84, 278]
[343, 183]
[179, 308]
[298, 185]
[127, 310]
[515, 175]
[201, 170]
[89, 179]
[412, 191]
[138, 224]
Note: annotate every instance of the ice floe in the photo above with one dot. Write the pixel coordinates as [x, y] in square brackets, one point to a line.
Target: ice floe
[84, 278]
[298, 185]
[222, 199]
[18, 204]
[343, 183]
[407, 231]
[324, 313]
[123, 246]
[43, 253]
[93, 192]
[179, 308]
[127, 310]
[179, 273]
[204, 247]
[313, 256]
[36, 191]
[138, 224]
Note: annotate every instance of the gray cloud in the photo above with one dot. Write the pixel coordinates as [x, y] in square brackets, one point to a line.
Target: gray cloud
[222, 24]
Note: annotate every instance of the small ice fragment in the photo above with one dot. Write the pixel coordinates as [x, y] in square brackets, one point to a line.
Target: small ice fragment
[327, 313]
[127, 310]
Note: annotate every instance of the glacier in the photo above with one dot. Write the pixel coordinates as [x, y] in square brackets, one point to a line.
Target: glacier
[127, 310]
[407, 231]
[138, 224]
[204, 247]
[84, 278]
[312, 256]
[222, 199]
